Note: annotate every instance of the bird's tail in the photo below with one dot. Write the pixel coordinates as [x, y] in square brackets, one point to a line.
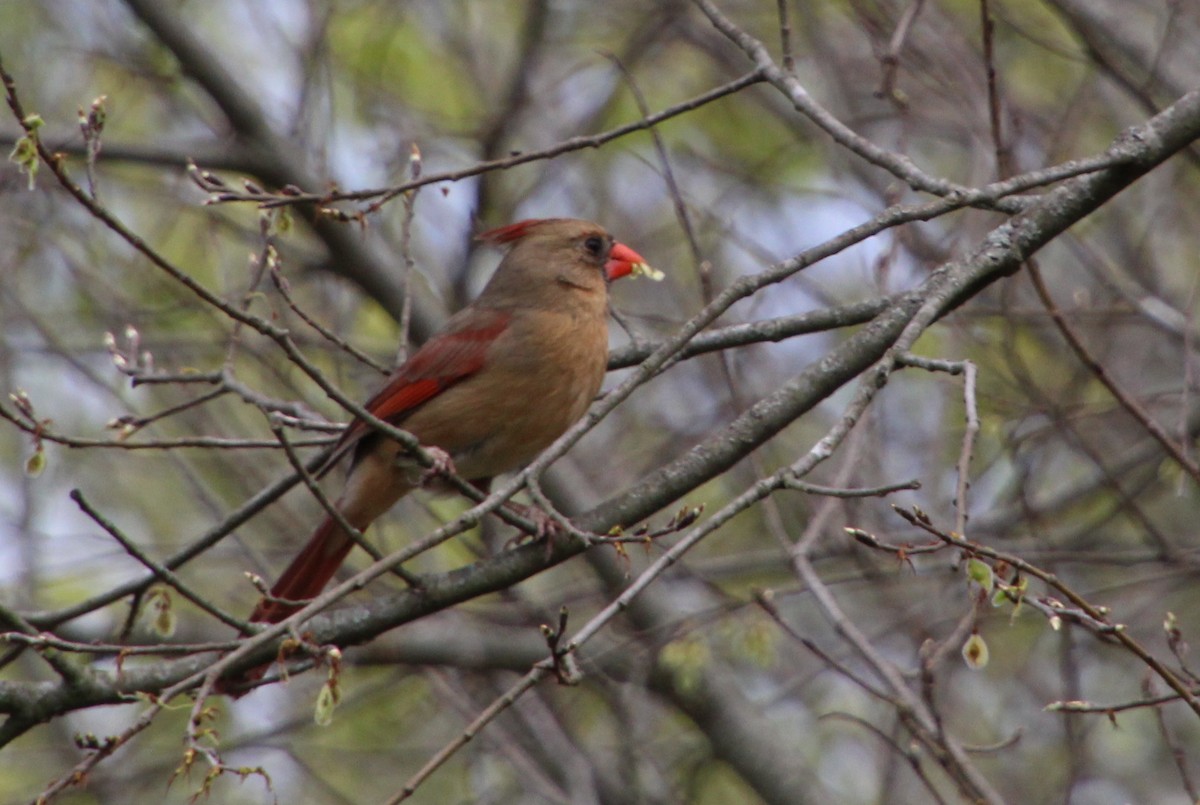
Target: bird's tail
[304, 578]
[307, 575]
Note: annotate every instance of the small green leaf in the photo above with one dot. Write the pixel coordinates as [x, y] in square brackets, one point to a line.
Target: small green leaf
[25, 155]
[980, 572]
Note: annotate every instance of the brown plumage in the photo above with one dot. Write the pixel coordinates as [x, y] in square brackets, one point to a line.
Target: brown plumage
[501, 381]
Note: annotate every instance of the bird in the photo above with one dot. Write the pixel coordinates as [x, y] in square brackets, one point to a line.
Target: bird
[495, 386]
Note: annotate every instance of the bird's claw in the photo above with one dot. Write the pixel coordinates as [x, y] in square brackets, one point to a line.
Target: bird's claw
[442, 465]
[546, 527]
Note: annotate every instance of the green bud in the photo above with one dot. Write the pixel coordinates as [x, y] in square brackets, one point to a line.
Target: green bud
[327, 701]
[36, 463]
[975, 652]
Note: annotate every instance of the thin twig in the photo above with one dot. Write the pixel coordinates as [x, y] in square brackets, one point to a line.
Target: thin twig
[913, 757]
[785, 37]
[836, 492]
[44, 639]
[1115, 630]
[963, 469]
[891, 57]
[383, 195]
[535, 675]
[766, 600]
[1178, 755]
[410, 205]
[161, 572]
[1126, 401]
[284, 289]
[898, 165]
[1082, 706]
[987, 31]
[331, 510]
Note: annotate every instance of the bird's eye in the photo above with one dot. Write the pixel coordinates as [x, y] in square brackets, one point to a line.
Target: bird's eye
[594, 245]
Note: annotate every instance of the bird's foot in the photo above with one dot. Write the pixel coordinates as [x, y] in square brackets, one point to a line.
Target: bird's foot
[546, 527]
[442, 466]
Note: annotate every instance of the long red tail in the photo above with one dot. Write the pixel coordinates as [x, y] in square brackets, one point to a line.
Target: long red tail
[308, 573]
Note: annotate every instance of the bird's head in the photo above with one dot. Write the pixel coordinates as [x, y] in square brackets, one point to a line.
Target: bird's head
[567, 251]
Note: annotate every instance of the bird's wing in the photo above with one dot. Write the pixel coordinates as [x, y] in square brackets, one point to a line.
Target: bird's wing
[454, 354]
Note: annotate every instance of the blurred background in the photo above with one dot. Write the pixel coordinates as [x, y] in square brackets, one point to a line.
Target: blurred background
[706, 696]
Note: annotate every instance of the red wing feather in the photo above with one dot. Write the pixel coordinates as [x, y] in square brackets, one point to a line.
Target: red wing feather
[456, 353]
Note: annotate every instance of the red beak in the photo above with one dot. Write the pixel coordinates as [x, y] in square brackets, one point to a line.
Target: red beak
[621, 261]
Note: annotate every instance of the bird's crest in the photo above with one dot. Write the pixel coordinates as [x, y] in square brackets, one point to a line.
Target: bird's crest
[512, 232]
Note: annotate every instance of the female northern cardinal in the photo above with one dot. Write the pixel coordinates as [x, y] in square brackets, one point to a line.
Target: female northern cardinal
[501, 381]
